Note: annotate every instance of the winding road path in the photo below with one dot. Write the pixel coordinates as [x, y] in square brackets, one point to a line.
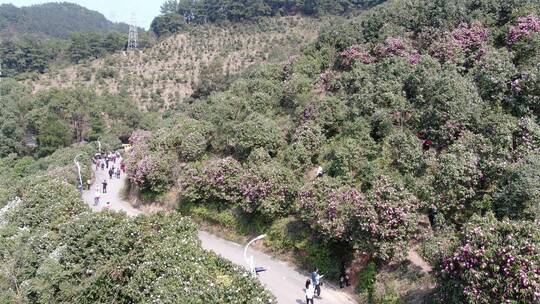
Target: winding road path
[282, 279]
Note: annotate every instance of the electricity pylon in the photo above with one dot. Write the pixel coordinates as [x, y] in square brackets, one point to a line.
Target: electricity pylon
[133, 39]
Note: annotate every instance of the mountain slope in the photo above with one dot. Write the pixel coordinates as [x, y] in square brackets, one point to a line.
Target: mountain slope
[172, 70]
[54, 20]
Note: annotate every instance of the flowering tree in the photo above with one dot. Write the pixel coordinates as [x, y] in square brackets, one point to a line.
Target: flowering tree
[397, 46]
[525, 27]
[355, 53]
[329, 208]
[467, 41]
[524, 39]
[149, 165]
[494, 262]
[153, 171]
[385, 222]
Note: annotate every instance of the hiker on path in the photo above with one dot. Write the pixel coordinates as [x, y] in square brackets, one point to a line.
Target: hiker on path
[102, 165]
[104, 186]
[111, 172]
[320, 171]
[97, 195]
[88, 184]
[123, 166]
[107, 162]
[316, 279]
[118, 172]
[344, 280]
[310, 292]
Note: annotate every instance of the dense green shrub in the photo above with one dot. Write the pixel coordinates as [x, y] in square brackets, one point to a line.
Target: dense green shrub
[268, 190]
[53, 250]
[518, 195]
[258, 131]
[214, 181]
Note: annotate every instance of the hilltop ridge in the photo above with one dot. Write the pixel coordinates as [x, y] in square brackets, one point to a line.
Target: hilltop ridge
[53, 20]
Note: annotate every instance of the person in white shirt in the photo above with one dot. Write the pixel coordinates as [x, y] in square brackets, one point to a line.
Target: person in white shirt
[320, 171]
[310, 292]
[97, 195]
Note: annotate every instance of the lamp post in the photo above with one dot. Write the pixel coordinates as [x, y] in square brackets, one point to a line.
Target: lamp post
[79, 170]
[99, 144]
[250, 260]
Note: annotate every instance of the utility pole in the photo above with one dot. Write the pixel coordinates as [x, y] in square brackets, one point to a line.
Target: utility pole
[133, 39]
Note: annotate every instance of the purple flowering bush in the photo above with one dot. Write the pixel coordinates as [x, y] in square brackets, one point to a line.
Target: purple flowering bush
[399, 47]
[385, 222]
[149, 166]
[329, 208]
[524, 40]
[355, 53]
[525, 27]
[466, 42]
[153, 171]
[494, 262]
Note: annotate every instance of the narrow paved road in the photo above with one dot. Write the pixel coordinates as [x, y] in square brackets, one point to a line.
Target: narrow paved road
[285, 282]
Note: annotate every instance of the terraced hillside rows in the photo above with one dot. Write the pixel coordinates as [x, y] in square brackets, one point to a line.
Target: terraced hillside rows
[164, 75]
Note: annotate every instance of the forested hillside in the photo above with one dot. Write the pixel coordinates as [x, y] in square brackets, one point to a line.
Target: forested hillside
[195, 62]
[36, 37]
[178, 14]
[53, 20]
[424, 117]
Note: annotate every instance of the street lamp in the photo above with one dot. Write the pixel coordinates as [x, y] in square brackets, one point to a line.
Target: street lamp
[99, 144]
[79, 170]
[250, 260]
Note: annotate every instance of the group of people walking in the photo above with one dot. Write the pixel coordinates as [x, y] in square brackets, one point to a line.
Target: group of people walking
[107, 162]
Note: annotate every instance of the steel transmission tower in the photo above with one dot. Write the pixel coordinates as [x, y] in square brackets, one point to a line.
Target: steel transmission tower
[133, 40]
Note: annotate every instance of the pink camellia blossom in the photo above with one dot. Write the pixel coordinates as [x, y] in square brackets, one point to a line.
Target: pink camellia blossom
[355, 53]
[392, 46]
[526, 26]
[469, 40]
[399, 47]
